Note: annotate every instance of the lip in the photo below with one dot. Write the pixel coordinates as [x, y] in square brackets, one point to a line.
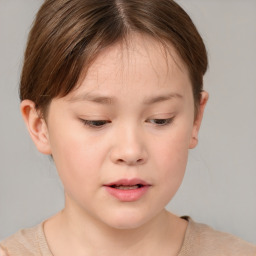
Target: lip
[128, 195]
[128, 182]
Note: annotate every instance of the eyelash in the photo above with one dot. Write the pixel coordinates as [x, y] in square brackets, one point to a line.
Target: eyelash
[97, 124]
[162, 122]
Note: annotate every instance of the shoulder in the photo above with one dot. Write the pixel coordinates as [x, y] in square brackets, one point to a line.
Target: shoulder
[27, 242]
[201, 239]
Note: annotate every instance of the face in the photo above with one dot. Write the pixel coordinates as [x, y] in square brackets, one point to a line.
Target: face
[120, 140]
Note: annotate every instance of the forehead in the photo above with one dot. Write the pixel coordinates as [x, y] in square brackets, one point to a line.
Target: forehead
[135, 64]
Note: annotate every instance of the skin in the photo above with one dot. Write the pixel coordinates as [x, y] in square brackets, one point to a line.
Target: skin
[140, 138]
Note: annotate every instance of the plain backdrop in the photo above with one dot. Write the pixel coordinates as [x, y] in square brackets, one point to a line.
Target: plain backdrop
[219, 188]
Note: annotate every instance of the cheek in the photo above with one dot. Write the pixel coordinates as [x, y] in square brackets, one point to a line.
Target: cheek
[172, 158]
[76, 159]
[78, 168]
[174, 166]
[173, 161]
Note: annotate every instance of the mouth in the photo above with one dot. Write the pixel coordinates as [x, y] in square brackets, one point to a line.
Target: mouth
[128, 190]
[128, 184]
[122, 187]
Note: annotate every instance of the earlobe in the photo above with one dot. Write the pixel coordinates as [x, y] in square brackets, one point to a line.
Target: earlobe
[36, 126]
[198, 119]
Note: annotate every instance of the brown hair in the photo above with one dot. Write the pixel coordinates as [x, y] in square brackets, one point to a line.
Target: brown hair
[67, 35]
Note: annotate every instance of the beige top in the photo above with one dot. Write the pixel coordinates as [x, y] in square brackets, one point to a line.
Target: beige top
[200, 240]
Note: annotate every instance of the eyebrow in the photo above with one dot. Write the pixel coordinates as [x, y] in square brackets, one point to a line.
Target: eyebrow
[105, 100]
[162, 98]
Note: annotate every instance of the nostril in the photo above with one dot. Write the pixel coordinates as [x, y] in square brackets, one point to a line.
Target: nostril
[130, 162]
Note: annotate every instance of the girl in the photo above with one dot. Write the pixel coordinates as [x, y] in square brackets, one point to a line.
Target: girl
[113, 91]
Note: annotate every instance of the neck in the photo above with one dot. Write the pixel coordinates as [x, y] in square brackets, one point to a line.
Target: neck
[84, 235]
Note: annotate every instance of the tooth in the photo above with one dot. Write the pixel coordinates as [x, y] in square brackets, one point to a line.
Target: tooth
[127, 187]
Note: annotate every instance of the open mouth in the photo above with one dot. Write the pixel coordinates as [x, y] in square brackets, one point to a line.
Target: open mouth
[127, 184]
[128, 190]
[125, 187]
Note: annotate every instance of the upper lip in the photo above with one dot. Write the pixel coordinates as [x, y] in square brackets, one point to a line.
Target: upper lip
[128, 182]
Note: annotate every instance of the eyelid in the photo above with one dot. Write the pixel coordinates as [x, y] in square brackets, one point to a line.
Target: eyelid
[100, 123]
[167, 121]
[91, 123]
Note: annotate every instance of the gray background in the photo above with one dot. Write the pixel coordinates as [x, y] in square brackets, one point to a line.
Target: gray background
[220, 184]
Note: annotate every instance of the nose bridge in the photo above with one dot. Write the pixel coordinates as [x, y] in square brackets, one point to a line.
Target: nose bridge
[129, 145]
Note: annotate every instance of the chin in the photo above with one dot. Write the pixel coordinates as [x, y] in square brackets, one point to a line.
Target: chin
[127, 220]
[126, 225]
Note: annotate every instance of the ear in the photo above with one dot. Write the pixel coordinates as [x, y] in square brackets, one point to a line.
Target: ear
[36, 126]
[198, 119]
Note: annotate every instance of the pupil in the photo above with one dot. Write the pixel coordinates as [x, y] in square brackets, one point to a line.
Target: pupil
[98, 123]
[160, 121]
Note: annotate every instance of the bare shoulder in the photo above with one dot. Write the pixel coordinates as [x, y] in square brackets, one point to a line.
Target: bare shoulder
[201, 239]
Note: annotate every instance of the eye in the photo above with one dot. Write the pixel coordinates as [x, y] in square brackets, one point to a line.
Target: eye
[160, 122]
[95, 123]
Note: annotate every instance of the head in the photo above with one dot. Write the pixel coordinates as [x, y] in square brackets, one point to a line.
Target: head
[67, 36]
[112, 90]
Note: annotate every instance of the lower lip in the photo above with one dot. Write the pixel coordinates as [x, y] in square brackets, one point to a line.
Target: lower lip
[127, 195]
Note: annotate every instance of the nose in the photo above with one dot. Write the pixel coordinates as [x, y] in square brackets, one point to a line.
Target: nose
[129, 148]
